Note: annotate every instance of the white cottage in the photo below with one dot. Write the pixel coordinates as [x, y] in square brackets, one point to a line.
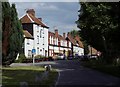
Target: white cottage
[39, 32]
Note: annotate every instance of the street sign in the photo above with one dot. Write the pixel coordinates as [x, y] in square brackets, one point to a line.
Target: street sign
[33, 51]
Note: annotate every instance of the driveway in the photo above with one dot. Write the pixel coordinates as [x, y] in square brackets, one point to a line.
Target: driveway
[71, 73]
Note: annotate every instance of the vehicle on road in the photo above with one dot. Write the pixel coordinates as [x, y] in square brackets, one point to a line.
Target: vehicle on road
[61, 56]
[70, 57]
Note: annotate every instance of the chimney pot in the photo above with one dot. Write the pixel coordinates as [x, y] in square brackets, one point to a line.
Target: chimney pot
[40, 19]
[31, 11]
[64, 35]
[68, 33]
[56, 32]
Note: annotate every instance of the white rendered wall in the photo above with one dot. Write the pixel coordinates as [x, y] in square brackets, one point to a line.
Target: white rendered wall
[28, 46]
[78, 50]
[42, 33]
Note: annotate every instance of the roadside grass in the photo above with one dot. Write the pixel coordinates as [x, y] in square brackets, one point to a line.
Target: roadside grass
[49, 82]
[12, 76]
[105, 68]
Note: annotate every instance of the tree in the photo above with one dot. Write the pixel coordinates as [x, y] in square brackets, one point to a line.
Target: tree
[100, 28]
[6, 28]
[73, 33]
[77, 32]
[14, 36]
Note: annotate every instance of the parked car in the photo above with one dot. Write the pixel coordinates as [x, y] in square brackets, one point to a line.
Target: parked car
[70, 57]
[76, 56]
[61, 56]
[93, 56]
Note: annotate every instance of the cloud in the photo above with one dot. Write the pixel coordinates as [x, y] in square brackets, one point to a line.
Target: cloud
[62, 15]
[43, 0]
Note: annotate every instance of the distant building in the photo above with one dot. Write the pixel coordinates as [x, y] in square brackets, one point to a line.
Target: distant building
[67, 45]
[93, 51]
[76, 45]
[35, 33]
[57, 44]
[46, 43]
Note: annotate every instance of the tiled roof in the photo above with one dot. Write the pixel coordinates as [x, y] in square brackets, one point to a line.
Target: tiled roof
[27, 34]
[29, 18]
[77, 38]
[60, 37]
[94, 51]
[51, 34]
[71, 39]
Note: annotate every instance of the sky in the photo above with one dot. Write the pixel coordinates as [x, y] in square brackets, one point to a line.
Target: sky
[56, 15]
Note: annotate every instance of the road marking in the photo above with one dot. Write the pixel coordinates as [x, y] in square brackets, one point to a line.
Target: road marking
[57, 78]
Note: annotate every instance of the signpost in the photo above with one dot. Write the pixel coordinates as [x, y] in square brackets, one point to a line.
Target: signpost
[33, 53]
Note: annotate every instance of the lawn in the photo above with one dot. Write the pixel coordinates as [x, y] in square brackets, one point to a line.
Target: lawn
[12, 76]
[105, 68]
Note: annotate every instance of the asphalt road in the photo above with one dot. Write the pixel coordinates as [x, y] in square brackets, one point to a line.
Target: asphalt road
[72, 74]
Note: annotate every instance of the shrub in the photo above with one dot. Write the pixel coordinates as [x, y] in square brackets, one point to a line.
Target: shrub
[21, 58]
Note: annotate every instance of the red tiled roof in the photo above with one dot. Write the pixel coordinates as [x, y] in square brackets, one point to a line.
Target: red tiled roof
[25, 19]
[51, 34]
[94, 51]
[29, 18]
[71, 39]
[77, 38]
[27, 34]
[60, 37]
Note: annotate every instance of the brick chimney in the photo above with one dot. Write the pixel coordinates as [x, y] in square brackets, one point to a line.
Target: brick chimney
[31, 11]
[68, 33]
[56, 32]
[40, 19]
[64, 35]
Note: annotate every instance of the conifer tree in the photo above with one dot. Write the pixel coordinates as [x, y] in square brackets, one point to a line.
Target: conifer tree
[14, 35]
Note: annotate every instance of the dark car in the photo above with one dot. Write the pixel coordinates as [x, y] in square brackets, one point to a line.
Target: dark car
[70, 57]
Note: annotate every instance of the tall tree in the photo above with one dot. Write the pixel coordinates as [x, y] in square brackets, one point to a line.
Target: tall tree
[6, 28]
[77, 32]
[14, 34]
[99, 27]
[74, 33]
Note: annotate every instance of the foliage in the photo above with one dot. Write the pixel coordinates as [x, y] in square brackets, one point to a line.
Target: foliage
[102, 67]
[100, 28]
[14, 75]
[12, 35]
[73, 33]
[21, 58]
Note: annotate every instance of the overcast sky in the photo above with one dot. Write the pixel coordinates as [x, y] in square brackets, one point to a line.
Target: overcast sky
[60, 15]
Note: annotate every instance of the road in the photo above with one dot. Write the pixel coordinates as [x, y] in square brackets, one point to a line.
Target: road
[72, 74]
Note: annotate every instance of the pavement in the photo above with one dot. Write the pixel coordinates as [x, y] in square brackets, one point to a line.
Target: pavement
[72, 74]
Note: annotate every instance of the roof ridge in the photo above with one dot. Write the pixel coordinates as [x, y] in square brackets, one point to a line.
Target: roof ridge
[30, 18]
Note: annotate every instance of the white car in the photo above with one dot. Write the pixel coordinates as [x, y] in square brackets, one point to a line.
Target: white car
[61, 56]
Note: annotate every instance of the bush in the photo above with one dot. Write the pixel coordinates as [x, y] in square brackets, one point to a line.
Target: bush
[116, 62]
[21, 58]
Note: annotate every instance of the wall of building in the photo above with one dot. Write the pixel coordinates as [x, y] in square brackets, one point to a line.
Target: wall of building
[78, 50]
[28, 46]
[40, 40]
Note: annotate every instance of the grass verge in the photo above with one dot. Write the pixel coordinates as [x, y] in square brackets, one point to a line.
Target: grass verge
[12, 76]
[105, 68]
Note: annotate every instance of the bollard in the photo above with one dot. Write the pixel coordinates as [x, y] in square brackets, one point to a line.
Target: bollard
[47, 67]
